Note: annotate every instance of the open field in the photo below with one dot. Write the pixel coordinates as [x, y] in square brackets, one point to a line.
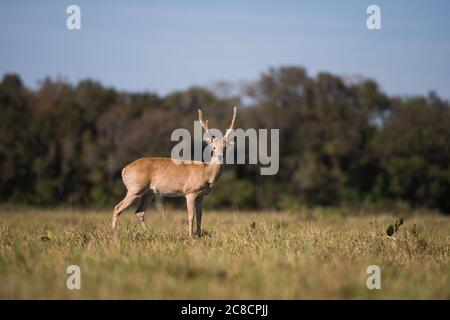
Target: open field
[241, 256]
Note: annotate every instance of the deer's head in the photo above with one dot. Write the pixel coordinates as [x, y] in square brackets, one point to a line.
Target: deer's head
[218, 145]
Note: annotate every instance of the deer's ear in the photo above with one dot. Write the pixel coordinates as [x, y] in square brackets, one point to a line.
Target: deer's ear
[207, 139]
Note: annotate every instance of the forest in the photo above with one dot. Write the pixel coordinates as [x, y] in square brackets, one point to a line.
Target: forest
[343, 143]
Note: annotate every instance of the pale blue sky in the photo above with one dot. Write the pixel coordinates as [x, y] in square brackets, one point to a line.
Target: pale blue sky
[166, 45]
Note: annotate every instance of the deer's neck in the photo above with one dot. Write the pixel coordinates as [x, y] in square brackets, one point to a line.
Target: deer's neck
[214, 170]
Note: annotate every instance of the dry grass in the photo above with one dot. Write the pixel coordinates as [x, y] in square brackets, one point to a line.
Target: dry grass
[282, 256]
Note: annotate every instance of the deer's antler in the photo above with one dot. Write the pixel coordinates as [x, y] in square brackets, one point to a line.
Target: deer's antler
[204, 123]
[232, 125]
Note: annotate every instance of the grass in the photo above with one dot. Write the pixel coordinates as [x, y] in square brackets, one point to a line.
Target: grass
[241, 256]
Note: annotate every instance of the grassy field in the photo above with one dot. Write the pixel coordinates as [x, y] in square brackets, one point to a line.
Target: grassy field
[241, 256]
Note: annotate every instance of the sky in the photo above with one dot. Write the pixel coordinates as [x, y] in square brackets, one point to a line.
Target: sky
[164, 46]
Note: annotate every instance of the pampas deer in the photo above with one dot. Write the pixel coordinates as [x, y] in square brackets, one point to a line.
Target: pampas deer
[149, 178]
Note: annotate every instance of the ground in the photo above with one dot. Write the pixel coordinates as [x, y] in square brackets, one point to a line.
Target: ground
[243, 255]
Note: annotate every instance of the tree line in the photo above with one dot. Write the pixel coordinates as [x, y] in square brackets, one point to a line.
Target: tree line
[342, 143]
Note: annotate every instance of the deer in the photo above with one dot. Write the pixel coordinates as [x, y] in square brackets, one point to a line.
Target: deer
[155, 177]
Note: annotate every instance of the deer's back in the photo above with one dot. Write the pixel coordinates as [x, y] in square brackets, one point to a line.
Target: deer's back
[163, 175]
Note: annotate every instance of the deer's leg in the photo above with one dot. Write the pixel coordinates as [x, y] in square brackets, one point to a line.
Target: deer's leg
[190, 201]
[140, 211]
[198, 214]
[125, 203]
[159, 204]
